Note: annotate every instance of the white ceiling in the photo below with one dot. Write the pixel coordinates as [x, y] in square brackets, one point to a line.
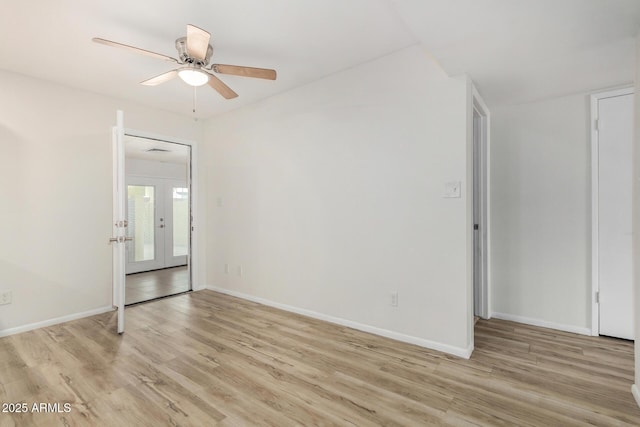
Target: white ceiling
[523, 50]
[155, 150]
[514, 50]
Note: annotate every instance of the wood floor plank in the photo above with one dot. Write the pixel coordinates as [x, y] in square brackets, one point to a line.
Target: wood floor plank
[126, 407]
[362, 365]
[31, 349]
[210, 359]
[154, 284]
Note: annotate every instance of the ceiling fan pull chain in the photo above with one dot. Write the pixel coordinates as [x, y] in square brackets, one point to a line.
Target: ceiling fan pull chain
[194, 99]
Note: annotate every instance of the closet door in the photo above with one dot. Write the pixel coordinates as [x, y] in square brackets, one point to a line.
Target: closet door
[615, 130]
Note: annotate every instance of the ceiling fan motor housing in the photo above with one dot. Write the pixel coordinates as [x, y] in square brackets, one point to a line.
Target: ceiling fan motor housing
[181, 47]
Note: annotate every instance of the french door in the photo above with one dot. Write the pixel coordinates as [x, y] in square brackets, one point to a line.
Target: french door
[158, 223]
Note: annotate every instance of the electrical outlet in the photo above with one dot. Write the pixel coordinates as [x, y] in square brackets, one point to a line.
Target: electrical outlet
[452, 190]
[226, 269]
[5, 297]
[239, 271]
[394, 299]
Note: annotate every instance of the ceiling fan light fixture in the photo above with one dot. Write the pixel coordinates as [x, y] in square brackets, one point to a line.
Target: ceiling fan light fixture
[193, 76]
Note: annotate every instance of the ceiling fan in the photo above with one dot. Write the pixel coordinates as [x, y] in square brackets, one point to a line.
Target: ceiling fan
[194, 54]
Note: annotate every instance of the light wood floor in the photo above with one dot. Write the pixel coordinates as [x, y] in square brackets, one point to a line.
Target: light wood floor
[203, 359]
[156, 284]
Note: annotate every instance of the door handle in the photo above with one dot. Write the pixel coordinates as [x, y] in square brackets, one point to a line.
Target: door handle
[120, 239]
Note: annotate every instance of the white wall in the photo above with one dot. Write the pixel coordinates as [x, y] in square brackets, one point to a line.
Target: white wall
[540, 212]
[332, 198]
[55, 220]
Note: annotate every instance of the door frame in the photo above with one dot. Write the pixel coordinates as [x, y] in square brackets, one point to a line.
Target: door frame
[483, 289]
[193, 260]
[595, 189]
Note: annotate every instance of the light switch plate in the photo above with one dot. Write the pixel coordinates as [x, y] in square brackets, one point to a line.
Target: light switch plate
[394, 299]
[452, 189]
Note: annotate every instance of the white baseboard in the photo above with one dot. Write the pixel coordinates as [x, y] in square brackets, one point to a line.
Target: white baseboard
[636, 393]
[432, 345]
[49, 322]
[542, 323]
[198, 288]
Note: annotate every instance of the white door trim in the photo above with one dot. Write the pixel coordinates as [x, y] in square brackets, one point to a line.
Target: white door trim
[595, 188]
[192, 182]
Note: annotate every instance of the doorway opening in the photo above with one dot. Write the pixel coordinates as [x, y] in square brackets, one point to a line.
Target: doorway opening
[480, 209]
[158, 213]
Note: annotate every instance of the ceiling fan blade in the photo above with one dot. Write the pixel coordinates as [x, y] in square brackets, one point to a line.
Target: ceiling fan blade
[236, 70]
[221, 88]
[154, 81]
[197, 42]
[134, 49]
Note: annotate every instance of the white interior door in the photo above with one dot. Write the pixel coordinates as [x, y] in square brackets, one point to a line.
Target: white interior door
[615, 133]
[119, 222]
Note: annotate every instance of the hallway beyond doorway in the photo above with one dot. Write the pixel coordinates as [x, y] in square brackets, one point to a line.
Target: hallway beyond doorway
[156, 284]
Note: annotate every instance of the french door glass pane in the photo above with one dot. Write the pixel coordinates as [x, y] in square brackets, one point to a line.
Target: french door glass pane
[180, 221]
[141, 216]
